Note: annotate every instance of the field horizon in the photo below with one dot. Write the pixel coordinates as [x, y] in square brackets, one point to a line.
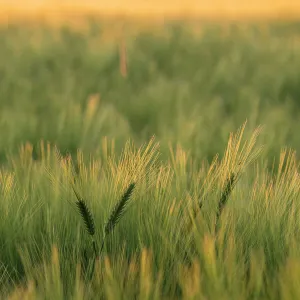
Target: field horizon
[216, 10]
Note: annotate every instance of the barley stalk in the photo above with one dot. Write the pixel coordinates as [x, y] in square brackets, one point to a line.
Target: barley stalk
[123, 58]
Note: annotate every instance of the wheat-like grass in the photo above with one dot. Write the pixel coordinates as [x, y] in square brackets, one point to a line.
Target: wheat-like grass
[87, 217]
[224, 198]
[117, 213]
[85, 214]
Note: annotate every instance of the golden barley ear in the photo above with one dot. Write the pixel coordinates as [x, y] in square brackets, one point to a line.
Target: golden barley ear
[117, 212]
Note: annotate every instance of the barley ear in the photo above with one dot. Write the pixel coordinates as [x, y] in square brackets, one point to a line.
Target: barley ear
[90, 227]
[117, 212]
[87, 218]
[85, 214]
[224, 197]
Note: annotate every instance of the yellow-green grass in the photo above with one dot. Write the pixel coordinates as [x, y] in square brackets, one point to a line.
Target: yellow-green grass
[188, 231]
[154, 253]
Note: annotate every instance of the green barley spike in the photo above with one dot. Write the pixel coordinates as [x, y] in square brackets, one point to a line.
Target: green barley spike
[117, 212]
[225, 195]
[86, 216]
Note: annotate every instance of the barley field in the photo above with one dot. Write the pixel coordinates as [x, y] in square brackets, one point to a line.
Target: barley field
[158, 164]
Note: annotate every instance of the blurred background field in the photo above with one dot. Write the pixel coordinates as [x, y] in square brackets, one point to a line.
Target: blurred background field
[188, 83]
[194, 72]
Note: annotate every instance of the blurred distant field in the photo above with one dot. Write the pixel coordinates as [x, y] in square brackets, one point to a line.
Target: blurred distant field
[184, 88]
[196, 227]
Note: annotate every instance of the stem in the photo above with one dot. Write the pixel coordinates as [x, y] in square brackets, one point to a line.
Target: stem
[102, 246]
[94, 247]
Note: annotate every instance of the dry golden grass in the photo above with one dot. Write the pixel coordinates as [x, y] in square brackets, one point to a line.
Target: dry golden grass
[57, 11]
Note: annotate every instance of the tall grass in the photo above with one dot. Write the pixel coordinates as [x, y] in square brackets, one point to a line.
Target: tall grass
[148, 256]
